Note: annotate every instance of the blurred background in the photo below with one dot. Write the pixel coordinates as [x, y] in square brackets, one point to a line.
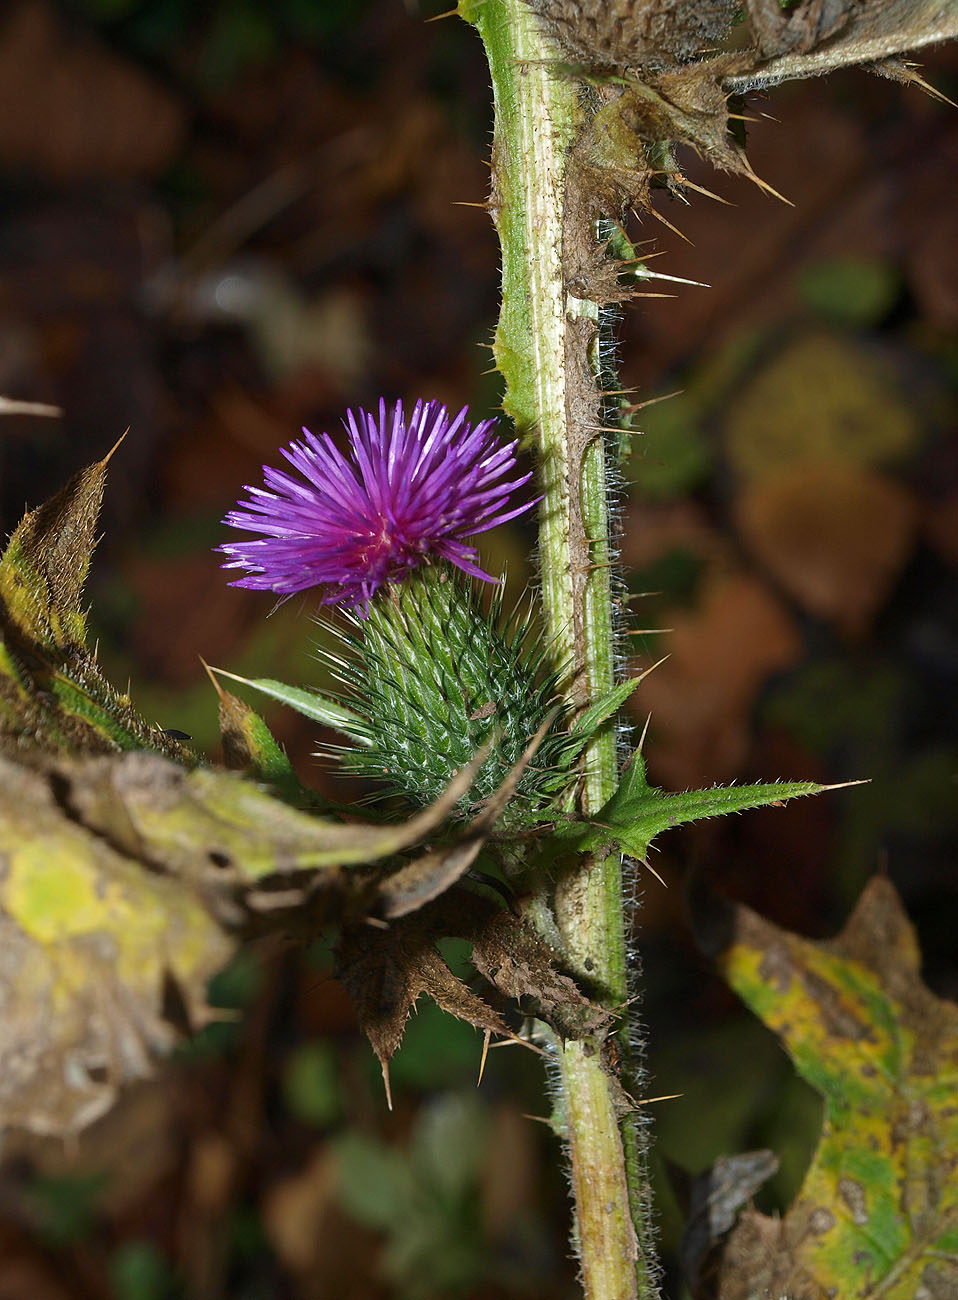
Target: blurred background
[222, 221]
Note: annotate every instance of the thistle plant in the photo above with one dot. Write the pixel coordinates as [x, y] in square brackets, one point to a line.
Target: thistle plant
[431, 676]
[589, 106]
[133, 867]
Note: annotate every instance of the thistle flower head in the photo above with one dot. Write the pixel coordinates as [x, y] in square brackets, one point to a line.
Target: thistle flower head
[431, 676]
[406, 491]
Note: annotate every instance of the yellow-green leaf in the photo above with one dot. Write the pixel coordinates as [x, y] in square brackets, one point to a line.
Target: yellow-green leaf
[877, 1214]
[121, 872]
[88, 939]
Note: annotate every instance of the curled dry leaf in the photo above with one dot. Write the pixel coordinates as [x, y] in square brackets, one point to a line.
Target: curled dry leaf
[813, 37]
[385, 971]
[522, 966]
[717, 1196]
[877, 1213]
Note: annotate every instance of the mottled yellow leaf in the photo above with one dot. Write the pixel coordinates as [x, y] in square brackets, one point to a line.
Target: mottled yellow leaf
[88, 940]
[877, 1214]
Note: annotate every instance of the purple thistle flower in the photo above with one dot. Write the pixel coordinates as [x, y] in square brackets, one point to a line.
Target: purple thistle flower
[406, 490]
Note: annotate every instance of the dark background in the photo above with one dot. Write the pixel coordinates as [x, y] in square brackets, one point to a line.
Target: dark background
[221, 221]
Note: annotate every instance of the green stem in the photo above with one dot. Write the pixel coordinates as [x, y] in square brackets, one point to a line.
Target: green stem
[546, 347]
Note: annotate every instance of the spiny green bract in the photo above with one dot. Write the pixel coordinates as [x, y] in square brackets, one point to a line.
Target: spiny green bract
[435, 677]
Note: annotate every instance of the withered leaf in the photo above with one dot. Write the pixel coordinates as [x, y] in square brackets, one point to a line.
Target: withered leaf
[673, 78]
[608, 34]
[522, 966]
[46, 561]
[878, 1210]
[205, 825]
[818, 36]
[385, 971]
[120, 872]
[717, 1196]
[52, 692]
[87, 940]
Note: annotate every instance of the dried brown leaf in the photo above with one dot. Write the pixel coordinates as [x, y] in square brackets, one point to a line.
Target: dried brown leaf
[385, 971]
[818, 36]
[678, 77]
[836, 536]
[73, 109]
[634, 33]
[522, 966]
[717, 1196]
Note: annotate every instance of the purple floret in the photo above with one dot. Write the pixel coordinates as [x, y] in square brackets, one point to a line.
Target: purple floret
[406, 491]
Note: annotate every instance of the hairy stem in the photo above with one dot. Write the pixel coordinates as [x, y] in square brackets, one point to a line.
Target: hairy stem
[546, 347]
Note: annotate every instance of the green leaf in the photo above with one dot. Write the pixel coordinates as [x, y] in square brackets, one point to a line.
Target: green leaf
[567, 748]
[877, 1213]
[852, 290]
[249, 746]
[311, 1084]
[637, 812]
[329, 713]
[375, 1184]
[605, 707]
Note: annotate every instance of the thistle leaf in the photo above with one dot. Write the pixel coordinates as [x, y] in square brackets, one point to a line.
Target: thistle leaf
[204, 825]
[385, 971]
[45, 563]
[249, 746]
[319, 708]
[52, 693]
[808, 41]
[605, 707]
[637, 812]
